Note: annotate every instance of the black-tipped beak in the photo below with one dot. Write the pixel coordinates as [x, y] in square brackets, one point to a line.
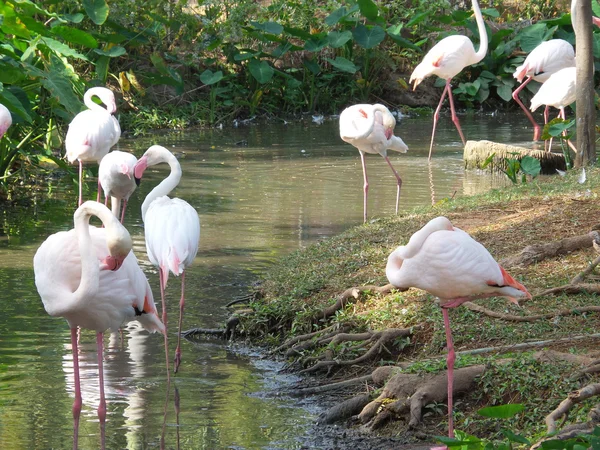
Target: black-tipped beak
[137, 181]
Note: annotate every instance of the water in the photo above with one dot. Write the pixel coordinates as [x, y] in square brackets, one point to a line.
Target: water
[261, 191]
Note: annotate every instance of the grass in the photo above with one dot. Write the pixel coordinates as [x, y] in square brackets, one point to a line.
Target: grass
[505, 221]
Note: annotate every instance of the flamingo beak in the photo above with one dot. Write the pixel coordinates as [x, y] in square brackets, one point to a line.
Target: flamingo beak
[388, 133]
[111, 263]
[139, 168]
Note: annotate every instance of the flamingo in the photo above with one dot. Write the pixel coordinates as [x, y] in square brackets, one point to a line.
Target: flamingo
[370, 128]
[5, 119]
[558, 91]
[448, 263]
[93, 132]
[446, 59]
[90, 277]
[172, 229]
[116, 178]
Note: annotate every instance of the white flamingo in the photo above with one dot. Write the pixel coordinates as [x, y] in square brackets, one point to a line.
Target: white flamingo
[116, 178]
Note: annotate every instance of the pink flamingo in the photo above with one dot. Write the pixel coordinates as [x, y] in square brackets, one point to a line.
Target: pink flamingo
[5, 119]
[90, 277]
[116, 178]
[446, 262]
[93, 132]
[370, 128]
[172, 229]
[446, 59]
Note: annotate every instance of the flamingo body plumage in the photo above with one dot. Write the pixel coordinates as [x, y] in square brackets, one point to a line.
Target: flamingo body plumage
[5, 119]
[448, 263]
[370, 128]
[558, 91]
[116, 178]
[446, 59]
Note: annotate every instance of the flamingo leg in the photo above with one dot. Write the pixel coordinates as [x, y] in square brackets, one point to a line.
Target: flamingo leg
[450, 362]
[181, 306]
[454, 116]
[80, 183]
[77, 403]
[123, 212]
[102, 405]
[436, 117]
[164, 319]
[398, 181]
[365, 185]
[537, 130]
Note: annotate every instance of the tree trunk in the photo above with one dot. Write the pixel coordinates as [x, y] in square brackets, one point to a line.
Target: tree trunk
[586, 112]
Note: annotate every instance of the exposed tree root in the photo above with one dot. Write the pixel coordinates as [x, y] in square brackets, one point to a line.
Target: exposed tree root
[221, 333]
[573, 289]
[576, 429]
[380, 339]
[344, 410]
[572, 399]
[412, 392]
[532, 318]
[330, 386]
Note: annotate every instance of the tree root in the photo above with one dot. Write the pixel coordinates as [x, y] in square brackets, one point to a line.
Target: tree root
[344, 410]
[380, 339]
[221, 333]
[532, 318]
[572, 399]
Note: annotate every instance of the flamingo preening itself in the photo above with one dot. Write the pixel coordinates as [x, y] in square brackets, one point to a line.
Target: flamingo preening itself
[90, 277]
[370, 128]
[446, 59]
[172, 230]
[448, 263]
[5, 119]
[116, 178]
[93, 132]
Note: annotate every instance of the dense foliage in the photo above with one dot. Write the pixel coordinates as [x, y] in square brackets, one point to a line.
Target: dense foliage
[178, 63]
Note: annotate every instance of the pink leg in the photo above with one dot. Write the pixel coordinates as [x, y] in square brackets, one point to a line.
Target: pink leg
[537, 130]
[123, 212]
[436, 116]
[102, 405]
[80, 183]
[450, 362]
[365, 186]
[77, 402]
[181, 306]
[99, 190]
[454, 116]
[164, 319]
[398, 181]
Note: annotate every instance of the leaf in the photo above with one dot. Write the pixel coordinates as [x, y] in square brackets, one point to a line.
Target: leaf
[102, 64]
[75, 36]
[268, 27]
[490, 12]
[15, 106]
[530, 166]
[74, 18]
[135, 83]
[10, 71]
[112, 52]
[124, 82]
[504, 92]
[297, 32]
[337, 39]
[316, 44]
[61, 49]
[343, 64]
[501, 411]
[402, 42]
[488, 160]
[417, 18]
[97, 10]
[313, 66]
[368, 9]
[209, 77]
[532, 36]
[368, 37]
[261, 70]
[336, 16]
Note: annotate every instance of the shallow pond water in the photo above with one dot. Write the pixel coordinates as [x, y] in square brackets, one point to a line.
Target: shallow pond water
[261, 191]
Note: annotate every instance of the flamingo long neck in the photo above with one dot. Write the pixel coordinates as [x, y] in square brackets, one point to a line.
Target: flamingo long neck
[91, 104]
[90, 267]
[166, 185]
[483, 41]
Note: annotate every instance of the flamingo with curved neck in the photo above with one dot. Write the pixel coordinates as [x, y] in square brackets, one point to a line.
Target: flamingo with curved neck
[446, 59]
[172, 231]
[90, 277]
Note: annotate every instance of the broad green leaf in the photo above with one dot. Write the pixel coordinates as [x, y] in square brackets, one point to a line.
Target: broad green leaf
[530, 166]
[10, 71]
[268, 27]
[490, 12]
[512, 437]
[62, 49]
[75, 36]
[405, 43]
[297, 32]
[73, 18]
[343, 64]
[501, 411]
[368, 37]
[97, 10]
[336, 16]
[337, 39]
[499, 36]
[504, 92]
[11, 24]
[417, 18]
[243, 55]
[368, 9]
[102, 64]
[313, 66]
[488, 160]
[283, 48]
[532, 36]
[261, 70]
[209, 77]
[316, 43]
[8, 99]
[112, 52]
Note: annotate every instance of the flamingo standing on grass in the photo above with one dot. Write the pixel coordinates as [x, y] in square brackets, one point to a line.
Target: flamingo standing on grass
[93, 132]
[116, 178]
[172, 230]
[370, 128]
[90, 277]
[446, 262]
[446, 59]
[5, 119]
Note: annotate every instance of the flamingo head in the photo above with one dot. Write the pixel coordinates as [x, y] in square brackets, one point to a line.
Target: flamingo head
[119, 246]
[138, 169]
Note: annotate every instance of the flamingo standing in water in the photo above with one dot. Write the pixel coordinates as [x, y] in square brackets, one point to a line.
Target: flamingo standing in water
[448, 263]
[172, 230]
[116, 178]
[446, 59]
[370, 128]
[5, 119]
[90, 277]
[93, 132]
